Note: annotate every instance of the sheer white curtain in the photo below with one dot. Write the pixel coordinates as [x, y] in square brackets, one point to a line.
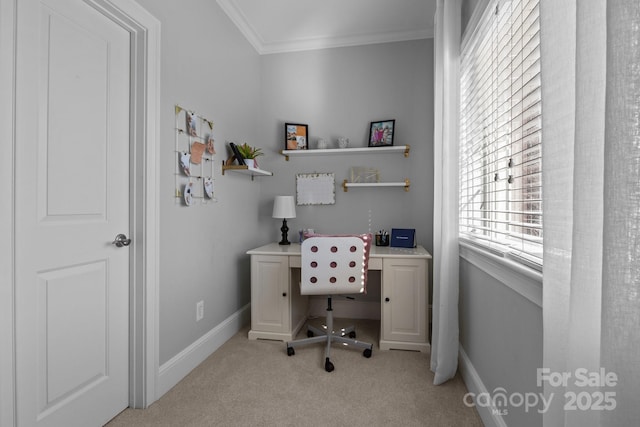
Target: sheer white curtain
[444, 340]
[591, 186]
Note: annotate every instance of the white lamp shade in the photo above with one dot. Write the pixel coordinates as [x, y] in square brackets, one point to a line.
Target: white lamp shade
[284, 207]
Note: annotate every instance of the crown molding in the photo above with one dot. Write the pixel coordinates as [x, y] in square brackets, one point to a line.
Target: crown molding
[240, 21]
[333, 42]
[315, 43]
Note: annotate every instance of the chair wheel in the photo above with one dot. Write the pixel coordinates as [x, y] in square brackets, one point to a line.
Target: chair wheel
[309, 334]
[290, 351]
[352, 334]
[328, 366]
[367, 353]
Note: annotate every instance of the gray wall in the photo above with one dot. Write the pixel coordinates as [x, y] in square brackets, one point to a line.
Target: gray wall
[501, 333]
[207, 66]
[338, 92]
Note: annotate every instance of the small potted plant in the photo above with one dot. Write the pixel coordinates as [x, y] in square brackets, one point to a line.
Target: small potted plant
[249, 154]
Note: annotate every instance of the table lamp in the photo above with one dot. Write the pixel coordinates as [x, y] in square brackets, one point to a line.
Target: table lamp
[284, 207]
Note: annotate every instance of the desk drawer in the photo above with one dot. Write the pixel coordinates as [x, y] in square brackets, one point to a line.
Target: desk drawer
[375, 263]
[294, 262]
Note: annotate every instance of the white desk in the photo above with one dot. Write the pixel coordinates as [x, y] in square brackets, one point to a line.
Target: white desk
[278, 311]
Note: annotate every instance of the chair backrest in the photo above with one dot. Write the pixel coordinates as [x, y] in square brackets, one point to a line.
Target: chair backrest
[333, 265]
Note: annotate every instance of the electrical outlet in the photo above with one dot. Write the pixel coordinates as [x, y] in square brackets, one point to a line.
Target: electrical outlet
[199, 310]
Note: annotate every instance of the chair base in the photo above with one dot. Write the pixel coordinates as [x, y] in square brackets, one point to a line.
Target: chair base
[328, 336]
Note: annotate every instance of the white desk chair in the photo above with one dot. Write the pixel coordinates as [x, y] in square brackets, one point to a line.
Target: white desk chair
[333, 265]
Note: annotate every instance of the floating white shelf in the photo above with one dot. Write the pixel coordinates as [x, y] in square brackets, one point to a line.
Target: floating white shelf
[358, 150]
[346, 184]
[246, 170]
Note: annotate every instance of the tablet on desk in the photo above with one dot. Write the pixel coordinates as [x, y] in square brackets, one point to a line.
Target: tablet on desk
[403, 237]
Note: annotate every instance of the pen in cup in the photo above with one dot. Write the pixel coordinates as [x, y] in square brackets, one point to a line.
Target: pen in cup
[382, 238]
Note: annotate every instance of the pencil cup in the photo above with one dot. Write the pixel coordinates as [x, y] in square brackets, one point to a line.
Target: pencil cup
[382, 240]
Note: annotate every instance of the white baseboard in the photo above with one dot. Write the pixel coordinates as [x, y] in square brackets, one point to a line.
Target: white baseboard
[475, 385]
[344, 308]
[174, 370]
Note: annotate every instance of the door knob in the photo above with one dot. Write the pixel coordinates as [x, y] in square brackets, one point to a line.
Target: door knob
[121, 240]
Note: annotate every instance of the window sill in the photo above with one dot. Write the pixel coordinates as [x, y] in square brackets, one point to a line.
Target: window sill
[524, 280]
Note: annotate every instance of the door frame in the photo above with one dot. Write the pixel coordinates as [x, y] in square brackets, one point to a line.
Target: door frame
[144, 208]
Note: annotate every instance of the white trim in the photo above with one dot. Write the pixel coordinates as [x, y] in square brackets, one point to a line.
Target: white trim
[150, 303]
[263, 48]
[145, 97]
[475, 385]
[474, 21]
[179, 366]
[328, 43]
[7, 169]
[240, 21]
[525, 281]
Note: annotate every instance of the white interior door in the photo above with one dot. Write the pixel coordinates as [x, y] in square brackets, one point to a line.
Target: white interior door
[72, 199]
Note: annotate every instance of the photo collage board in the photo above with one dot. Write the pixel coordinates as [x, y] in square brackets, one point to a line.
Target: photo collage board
[195, 156]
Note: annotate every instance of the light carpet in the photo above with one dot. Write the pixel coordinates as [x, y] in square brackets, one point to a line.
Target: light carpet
[255, 383]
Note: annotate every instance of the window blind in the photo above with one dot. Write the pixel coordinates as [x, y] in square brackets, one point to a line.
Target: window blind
[500, 204]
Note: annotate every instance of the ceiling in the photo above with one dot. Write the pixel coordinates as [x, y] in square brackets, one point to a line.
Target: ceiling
[274, 26]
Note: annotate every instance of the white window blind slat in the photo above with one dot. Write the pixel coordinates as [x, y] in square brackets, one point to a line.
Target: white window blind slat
[501, 132]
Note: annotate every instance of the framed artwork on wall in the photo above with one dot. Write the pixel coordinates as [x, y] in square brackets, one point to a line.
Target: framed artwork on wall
[381, 133]
[316, 189]
[296, 136]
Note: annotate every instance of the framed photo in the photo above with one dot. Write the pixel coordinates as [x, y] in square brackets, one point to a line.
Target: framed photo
[381, 133]
[296, 136]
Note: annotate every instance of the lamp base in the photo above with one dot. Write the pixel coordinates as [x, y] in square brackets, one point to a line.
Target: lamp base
[285, 232]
